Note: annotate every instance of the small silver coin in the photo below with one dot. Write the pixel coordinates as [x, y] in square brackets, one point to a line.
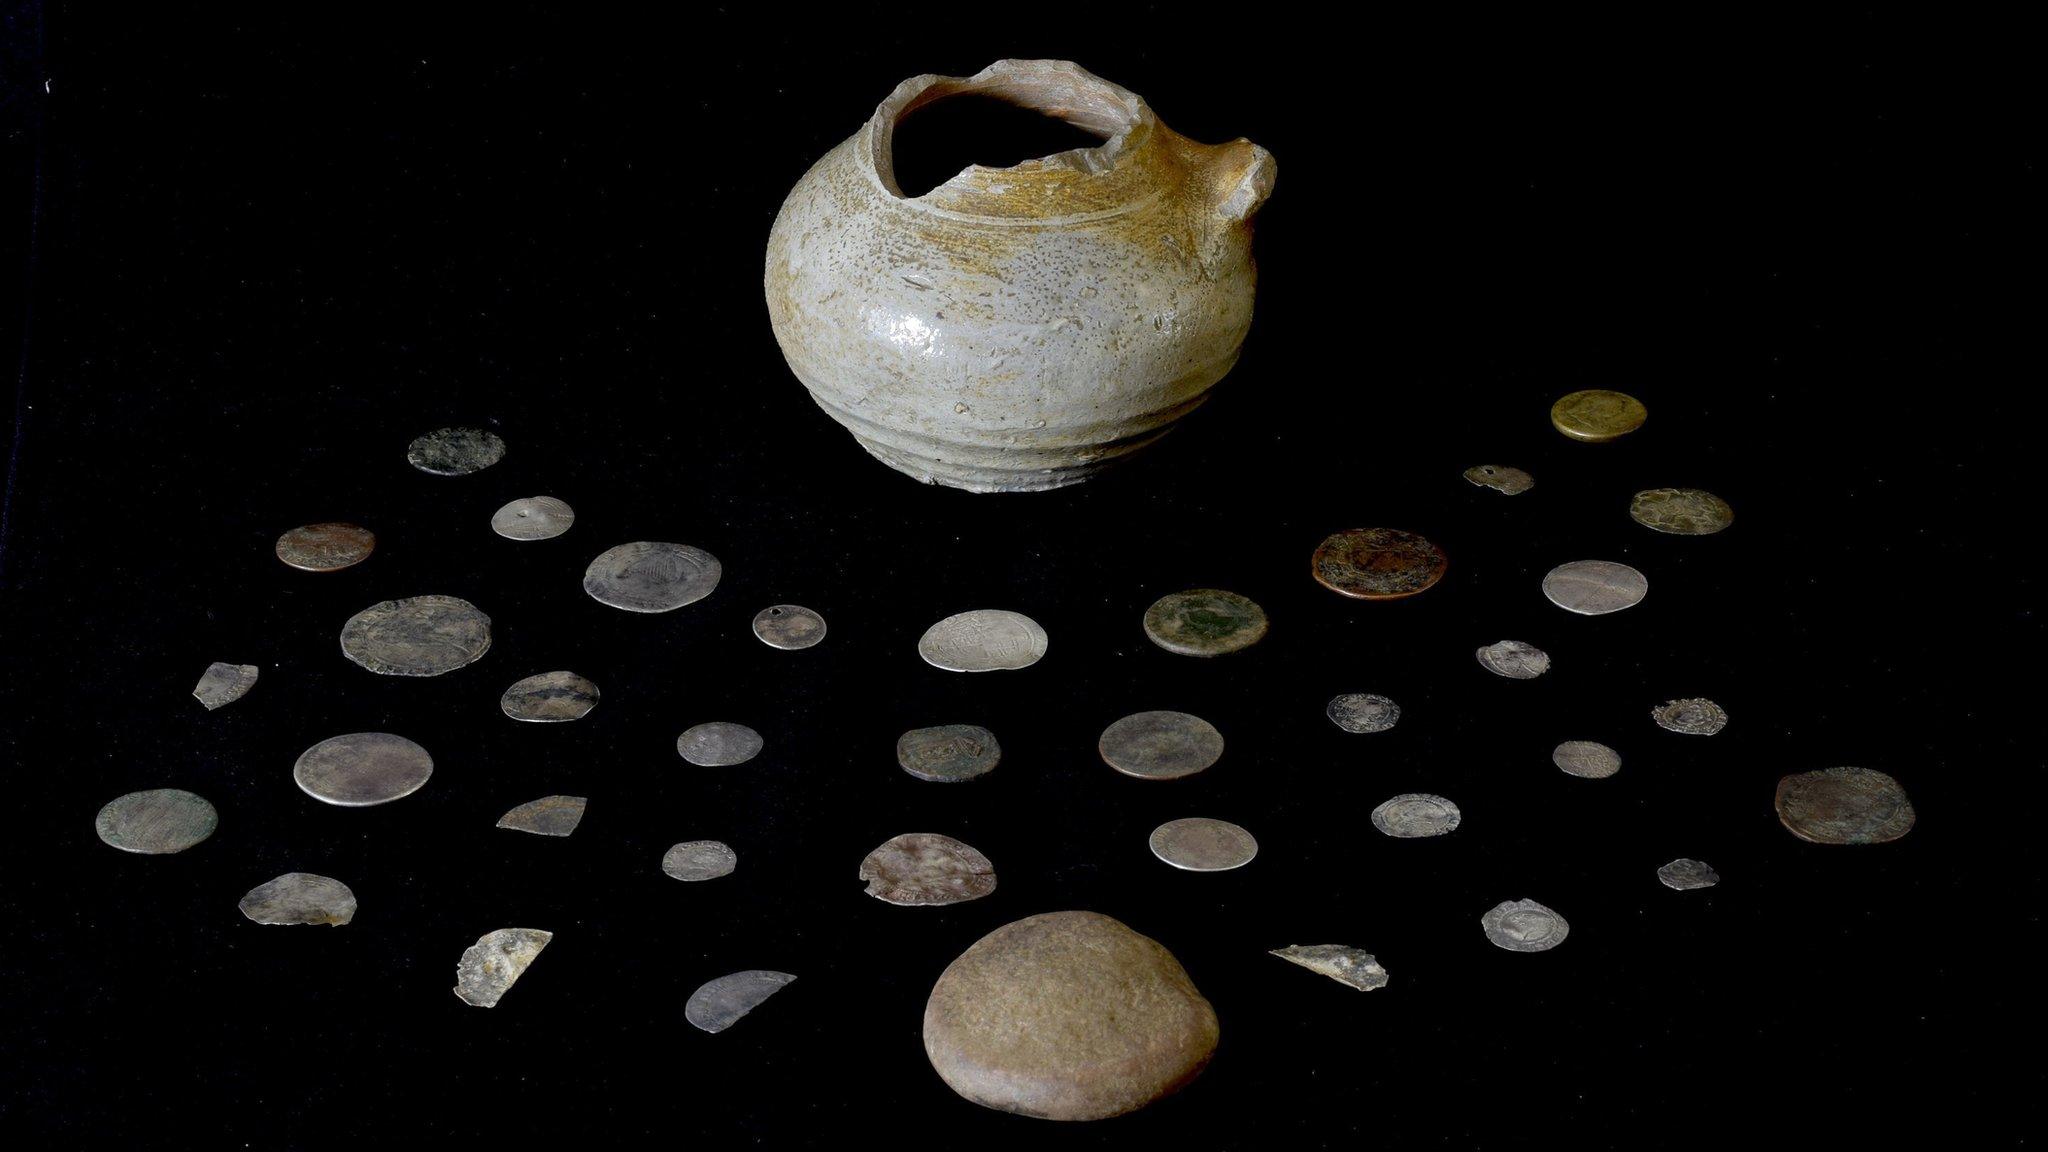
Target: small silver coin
[1595, 587]
[1500, 478]
[224, 684]
[719, 744]
[1844, 806]
[1160, 745]
[1514, 660]
[549, 698]
[362, 769]
[1363, 712]
[718, 1004]
[455, 451]
[1696, 716]
[984, 640]
[1199, 844]
[1524, 926]
[1340, 962]
[1204, 622]
[1586, 759]
[1681, 511]
[948, 752]
[1413, 815]
[789, 627]
[156, 822]
[300, 898]
[1685, 875]
[927, 868]
[533, 518]
[326, 547]
[694, 860]
[547, 816]
[651, 576]
[490, 967]
[417, 636]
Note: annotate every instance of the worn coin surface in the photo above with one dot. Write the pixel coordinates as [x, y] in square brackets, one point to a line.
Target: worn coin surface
[1686, 874]
[1377, 563]
[1844, 806]
[1413, 815]
[651, 576]
[948, 752]
[547, 816]
[1199, 844]
[1160, 745]
[224, 684]
[984, 640]
[1595, 587]
[1340, 962]
[1204, 622]
[927, 868]
[1587, 759]
[455, 451]
[719, 744]
[300, 898]
[417, 636]
[1696, 716]
[789, 627]
[549, 698]
[156, 822]
[1681, 511]
[533, 518]
[326, 547]
[363, 768]
[718, 1004]
[1363, 712]
[490, 967]
[699, 860]
[1597, 415]
[1514, 660]
[1524, 926]
[1500, 478]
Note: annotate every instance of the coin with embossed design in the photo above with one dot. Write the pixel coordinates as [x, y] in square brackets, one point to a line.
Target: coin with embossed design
[1597, 415]
[455, 451]
[651, 576]
[1363, 712]
[1587, 759]
[948, 752]
[1695, 716]
[1377, 563]
[1684, 875]
[1199, 844]
[699, 860]
[1514, 660]
[789, 627]
[1204, 622]
[1681, 511]
[549, 698]
[417, 636]
[927, 868]
[1160, 745]
[362, 768]
[719, 744]
[1414, 815]
[1595, 587]
[156, 822]
[533, 518]
[1844, 806]
[984, 640]
[1524, 926]
[328, 547]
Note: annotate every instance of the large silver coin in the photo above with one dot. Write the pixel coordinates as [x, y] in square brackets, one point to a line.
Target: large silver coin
[363, 768]
[300, 898]
[1340, 962]
[549, 698]
[156, 822]
[455, 451]
[1524, 926]
[948, 753]
[789, 627]
[1696, 716]
[695, 860]
[547, 816]
[490, 967]
[1844, 806]
[1586, 759]
[327, 547]
[1681, 511]
[417, 636]
[719, 744]
[1514, 660]
[533, 518]
[224, 684]
[1363, 712]
[984, 640]
[927, 868]
[1199, 844]
[718, 1004]
[1204, 622]
[1413, 815]
[651, 576]
[1685, 874]
[1595, 587]
[1500, 478]
[1160, 745]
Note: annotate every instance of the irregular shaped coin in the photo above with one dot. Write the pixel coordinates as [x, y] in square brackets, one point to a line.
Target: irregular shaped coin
[718, 1004]
[1340, 962]
[224, 684]
[1586, 759]
[547, 816]
[1199, 844]
[789, 627]
[156, 822]
[1160, 745]
[927, 868]
[362, 768]
[1524, 926]
[1595, 587]
[651, 576]
[1363, 712]
[1681, 511]
[948, 753]
[490, 967]
[1684, 875]
[984, 640]
[549, 698]
[694, 860]
[719, 744]
[300, 898]
[1695, 716]
[1514, 660]
[1377, 563]
[1502, 479]
[1597, 415]
[1413, 815]
[1204, 622]
[1844, 806]
[455, 451]
[417, 636]
[328, 547]
[533, 518]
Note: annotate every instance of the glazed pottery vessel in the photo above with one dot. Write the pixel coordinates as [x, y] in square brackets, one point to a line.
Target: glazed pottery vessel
[1020, 328]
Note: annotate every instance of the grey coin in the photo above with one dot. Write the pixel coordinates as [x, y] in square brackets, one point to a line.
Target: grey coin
[1587, 759]
[1199, 844]
[1363, 712]
[1844, 806]
[1160, 745]
[224, 684]
[547, 816]
[1685, 875]
[417, 636]
[533, 518]
[1500, 478]
[1204, 622]
[1681, 511]
[1413, 815]
[948, 753]
[363, 768]
[455, 451]
[156, 822]
[490, 967]
[1696, 716]
[651, 576]
[985, 640]
[300, 898]
[327, 547]
[1340, 962]
[719, 744]
[549, 698]
[1524, 926]
[695, 860]
[789, 627]
[1595, 587]
[1514, 660]
[927, 868]
[718, 1004]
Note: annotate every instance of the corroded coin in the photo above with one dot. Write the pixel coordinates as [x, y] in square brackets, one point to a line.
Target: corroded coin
[300, 898]
[224, 684]
[927, 868]
[156, 822]
[1340, 962]
[1681, 511]
[417, 636]
[1696, 716]
[549, 698]
[1586, 759]
[1524, 926]
[718, 1004]
[1363, 712]
[490, 967]
[533, 518]
[651, 576]
[719, 744]
[1598, 415]
[789, 627]
[1377, 563]
[1844, 806]
[1514, 660]
[1160, 745]
[1413, 815]
[984, 640]
[363, 768]
[1595, 587]
[547, 816]
[326, 547]
[694, 860]
[1500, 478]
[455, 451]
[1685, 875]
[948, 752]
[1199, 844]
[1204, 622]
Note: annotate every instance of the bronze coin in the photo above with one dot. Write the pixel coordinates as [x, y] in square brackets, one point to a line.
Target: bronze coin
[1844, 806]
[1377, 563]
[948, 752]
[326, 547]
[1160, 745]
[1598, 415]
[1204, 622]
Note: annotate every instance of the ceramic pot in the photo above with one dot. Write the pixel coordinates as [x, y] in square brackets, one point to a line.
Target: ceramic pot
[1020, 328]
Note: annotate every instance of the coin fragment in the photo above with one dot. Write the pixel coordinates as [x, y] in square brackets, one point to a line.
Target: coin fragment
[1681, 511]
[1204, 622]
[1413, 815]
[455, 451]
[1685, 875]
[694, 860]
[1514, 660]
[549, 698]
[719, 744]
[224, 684]
[1586, 759]
[533, 518]
[326, 547]
[547, 816]
[984, 640]
[718, 1004]
[1340, 962]
[490, 967]
[1199, 844]
[1597, 415]
[651, 576]
[1160, 745]
[417, 636]
[789, 627]
[1363, 712]
[300, 898]
[1696, 716]
[1377, 563]
[1500, 478]
[1595, 587]
[156, 822]
[927, 868]
[1524, 926]
[948, 752]
[362, 768]
[1844, 806]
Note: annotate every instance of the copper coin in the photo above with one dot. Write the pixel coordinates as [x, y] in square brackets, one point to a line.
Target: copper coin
[948, 752]
[1160, 745]
[790, 627]
[326, 547]
[927, 868]
[1204, 622]
[1377, 563]
[362, 768]
[417, 636]
[455, 451]
[1681, 511]
[533, 518]
[156, 822]
[1844, 806]
[1597, 415]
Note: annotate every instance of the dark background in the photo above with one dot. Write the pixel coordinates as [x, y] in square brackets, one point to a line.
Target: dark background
[261, 257]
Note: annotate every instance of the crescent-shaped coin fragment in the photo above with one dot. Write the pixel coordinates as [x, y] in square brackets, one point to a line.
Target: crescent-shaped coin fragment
[490, 967]
[718, 1004]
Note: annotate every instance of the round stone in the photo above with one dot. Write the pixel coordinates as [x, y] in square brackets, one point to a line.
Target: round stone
[1414, 815]
[1595, 587]
[1067, 1016]
[533, 518]
[927, 868]
[651, 576]
[1597, 415]
[1586, 759]
[719, 744]
[326, 547]
[984, 640]
[1204, 622]
[1377, 563]
[455, 451]
[1200, 844]
[700, 860]
[1363, 712]
[1514, 660]
[362, 769]
[1681, 511]
[948, 752]
[1844, 806]
[718, 1004]
[1500, 478]
[417, 636]
[300, 898]
[789, 627]
[1696, 716]
[156, 822]
[1160, 745]
[1684, 875]
[549, 698]
[1524, 926]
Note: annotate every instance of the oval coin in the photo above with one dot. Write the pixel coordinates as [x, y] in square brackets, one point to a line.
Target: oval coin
[300, 898]
[417, 636]
[1160, 745]
[1363, 712]
[1844, 806]
[651, 576]
[984, 640]
[1598, 415]
[549, 698]
[789, 627]
[1595, 587]
[326, 547]
[1514, 660]
[1524, 926]
[1204, 622]
[156, 822]
[533, 518]
[927, 868]
[1681, 511]
[1414, 815]
[1199, 844]
[1684, 875]
[1586, 759]
[455, 451]
[1696, 716]
[948, 752]
[362, 768]
[719, 744]
[1377, 563]
[694, 860]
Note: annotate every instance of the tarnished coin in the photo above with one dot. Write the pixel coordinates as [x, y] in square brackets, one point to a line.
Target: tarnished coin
[490, 967]
[789, 627]
[651, 576]
[1340, 962]
[1524, 926]
[948, 752]
[363, 768]
[1844, 806]
[1500, 478]
[927, 868]
[1363, 712]
[417, 636]
[984, 640]
[1586, 759]
[1514, 660]
[549, 698]
[455, 451]
[224, 684]
[1595, 587]
[719, 744]
[1413, 815]
[547, 816]
[1598, 415]
[156, 822]
[718, 1004]
[694, 860]
[326, 547]
[533, 518]
[300, 898]
[1160, 745]
[1681, 511]
[1684, 875]
[1696, 716]
[1199, 844]
[1377, 563]
[1204, 622]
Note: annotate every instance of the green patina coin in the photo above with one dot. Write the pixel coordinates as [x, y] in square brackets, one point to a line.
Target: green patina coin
[1204, 622]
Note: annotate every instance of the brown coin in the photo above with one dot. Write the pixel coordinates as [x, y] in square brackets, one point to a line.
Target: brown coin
[363, 768]
[927, 868]
[1598, 415]
[1160, 745]
[948, 752]
[156, 822]
[1844, 806]
[326, 547]
[1377, 563]
[1204, 622]
[417, 636]
[1681, 511]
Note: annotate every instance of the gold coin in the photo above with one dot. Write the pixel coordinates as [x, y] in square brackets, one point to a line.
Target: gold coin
[1597, 415]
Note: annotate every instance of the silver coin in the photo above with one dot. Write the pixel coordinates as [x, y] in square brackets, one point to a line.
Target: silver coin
[1685, 875]
[1340, 962]
[156, 822]
[224, 684]
[985, 640]
[455, 451]
[547, 816]
[1524, 926]
[417, 636]
[719, 744]
[1199, 844]
[549, 698]
[1681, 511]
[948, 752]
[718, 1004]
[651, 576]
[1413, 815]
[1586, 759]
[362, 768]
[1595, 587]
[694, 860]
[497, 960]
[300, 898]
[1500, 478]
[1204, 622]
[1514, 660]
[927, 868]
[1696, 716]
[533, 518]
[1160, 745]
[789, 627]
[1363, 712]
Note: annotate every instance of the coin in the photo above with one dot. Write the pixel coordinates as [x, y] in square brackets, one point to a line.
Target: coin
[948, 752]
[1697, 716]
[156, 822]
[1377, 563]
[1199, 844]
[326, 547]
[1340, 962]
[455, 451]
[417, 636]
[300, 898]
[547, 816]
[490, 967]
[719, 744]
[718, 1004]
[651, 576]
[1586, 759]
[695, 860]
[1414, 815]
[1524, 926]
[1685, 875]
[1363, 712]
[789, 627]
[1514, 660]
[549, 698]
[1595, 587]
[1500, 478]
[1844, 806]
[927, 868]
[1681, 511]
[985, 640]
[1204, 622]
[1598, 415]
[1160, 745]
[363, 768]
[533, 518]
[224, 684]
